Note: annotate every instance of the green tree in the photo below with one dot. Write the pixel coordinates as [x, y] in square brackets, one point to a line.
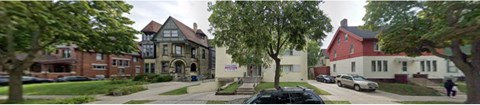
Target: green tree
[415, 27]
[258, 32]
[314, 54]
[29, 27]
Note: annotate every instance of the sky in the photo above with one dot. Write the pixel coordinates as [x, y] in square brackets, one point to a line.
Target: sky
[189, 12]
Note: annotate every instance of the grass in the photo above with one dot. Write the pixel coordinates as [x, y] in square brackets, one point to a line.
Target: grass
[178, 91]
[138, 101]
[216, 102]
[74, 100]
[337, 102]
[67, 88]
[428, 102]
[266, 85]
[232, 87]
[407, 89]
[462, 86]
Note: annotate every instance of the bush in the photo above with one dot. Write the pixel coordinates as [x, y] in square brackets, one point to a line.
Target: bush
[153, 78]
[76, 100]
[119, 81]
[119, 91]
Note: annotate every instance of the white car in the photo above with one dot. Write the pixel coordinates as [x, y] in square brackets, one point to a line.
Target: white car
[356, 82]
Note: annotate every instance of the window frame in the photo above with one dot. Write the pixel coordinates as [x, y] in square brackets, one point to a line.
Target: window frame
[99, 56]
[404, 66]
[165, 50]
[353, 66]
[178, 50]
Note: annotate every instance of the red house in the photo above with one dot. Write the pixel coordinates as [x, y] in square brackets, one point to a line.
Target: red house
[355, 51]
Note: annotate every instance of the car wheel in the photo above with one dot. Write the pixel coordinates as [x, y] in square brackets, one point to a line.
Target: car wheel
[357, 88]
[339, 84]
[373, 90]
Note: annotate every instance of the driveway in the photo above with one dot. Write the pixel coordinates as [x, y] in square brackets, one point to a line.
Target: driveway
[377, 97]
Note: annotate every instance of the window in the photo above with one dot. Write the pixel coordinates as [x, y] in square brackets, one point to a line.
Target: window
[56, 51]
[152, 67]
[165, 67]
[434, 65]
[376, 47]
[135, 59]
[167, 33]
[67, 53]
[114, 62]
[174, 33]
[146, 67]
[99, 67]
[203, 53]
[170, 33]
[178, 50]
[352, 50]
[288, 52]
[338, 40]
[451, 68]
[126, 63]
[121, 71]
[194, 53]
[385, 66]
[334, 53]
[404, 66]
[165, 49]
[379, 66]
[346, 37]
[374, 66]
[422, 66]
[353, 66]
[148, 50]
[334, 68]
[428, 66]
[137, 70]
[99, 56]
[286, 68]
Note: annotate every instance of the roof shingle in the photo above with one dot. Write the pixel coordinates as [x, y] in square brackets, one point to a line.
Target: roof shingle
[190, 33]
[365, 34]
[152, 27]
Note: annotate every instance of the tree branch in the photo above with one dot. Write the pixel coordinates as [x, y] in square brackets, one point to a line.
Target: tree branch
[436, 53]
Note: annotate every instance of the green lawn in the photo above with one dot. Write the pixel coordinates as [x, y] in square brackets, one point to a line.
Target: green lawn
[428, 102]
[232, 87]
[462, 86]
[337, 102]
[407, 89]
[138, 101]
[67, 88]
[266, 85]
[178, 91]
[74, 100]
[216, 102]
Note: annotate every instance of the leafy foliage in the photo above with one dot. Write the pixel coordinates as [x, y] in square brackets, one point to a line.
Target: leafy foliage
[153, 78]
[258, 32]
[314, 54]
[416, 27]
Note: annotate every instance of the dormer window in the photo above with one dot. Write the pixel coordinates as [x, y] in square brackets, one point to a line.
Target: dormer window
[147, 36]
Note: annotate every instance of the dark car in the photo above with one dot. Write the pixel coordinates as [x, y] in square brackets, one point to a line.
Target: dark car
[3, 80]
[29, 80]
[325, 78]
[287, 95]
[72, 78]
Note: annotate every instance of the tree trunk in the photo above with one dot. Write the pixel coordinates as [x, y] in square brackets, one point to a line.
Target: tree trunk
[473, 86]
[15, 86]
[277, 73]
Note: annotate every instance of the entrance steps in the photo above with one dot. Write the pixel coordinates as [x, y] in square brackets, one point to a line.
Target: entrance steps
[246, 89]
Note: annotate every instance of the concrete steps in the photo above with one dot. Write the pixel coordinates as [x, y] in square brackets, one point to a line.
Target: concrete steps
[246, 89]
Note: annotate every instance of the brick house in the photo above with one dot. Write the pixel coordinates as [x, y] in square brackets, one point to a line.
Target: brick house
[355, 51]
[176, 49]
[70, 61]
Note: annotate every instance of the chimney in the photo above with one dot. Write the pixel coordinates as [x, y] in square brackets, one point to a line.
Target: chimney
[344, 22]
[195, 27]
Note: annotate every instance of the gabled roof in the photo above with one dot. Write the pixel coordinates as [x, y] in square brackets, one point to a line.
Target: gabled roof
[365, 34]
[355, 32]
[152, 27]
[189, 33]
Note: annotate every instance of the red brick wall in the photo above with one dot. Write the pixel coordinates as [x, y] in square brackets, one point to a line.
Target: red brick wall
[325, 70]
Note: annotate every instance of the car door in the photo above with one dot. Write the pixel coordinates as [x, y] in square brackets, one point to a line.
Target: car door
[348, 81]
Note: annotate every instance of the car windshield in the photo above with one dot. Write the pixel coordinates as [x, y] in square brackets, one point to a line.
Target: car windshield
[358, 78]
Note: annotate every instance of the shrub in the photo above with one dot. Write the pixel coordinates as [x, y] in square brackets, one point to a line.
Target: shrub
[76, 100]
[153, 78]
[119, 81]
[119, 91]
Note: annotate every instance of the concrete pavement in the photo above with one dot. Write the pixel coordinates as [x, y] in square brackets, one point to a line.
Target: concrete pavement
[378, 97]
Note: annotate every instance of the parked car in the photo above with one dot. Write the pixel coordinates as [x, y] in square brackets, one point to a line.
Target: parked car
[3, 80]
[325, 79]
[287, 95]
[357, 82]
[29, 80]
[73, 78]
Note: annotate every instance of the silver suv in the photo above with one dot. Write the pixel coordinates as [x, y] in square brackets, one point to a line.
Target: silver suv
[356, 82]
